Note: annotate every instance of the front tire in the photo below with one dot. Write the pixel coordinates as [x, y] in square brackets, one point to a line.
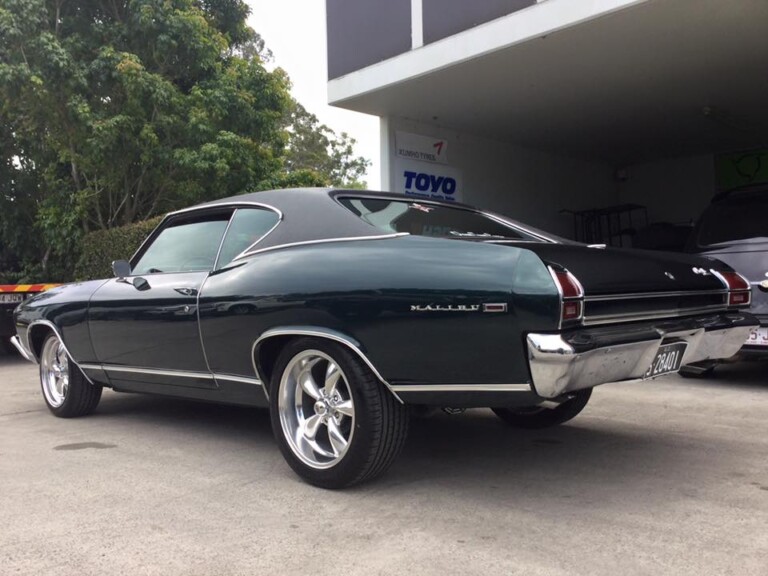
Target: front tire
[66, 391]
[335, 423]
[538, 417]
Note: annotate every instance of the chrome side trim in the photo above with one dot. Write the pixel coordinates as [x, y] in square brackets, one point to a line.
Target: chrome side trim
[56, 331]
[322, 241]
[17, 344]
[635, 295]
[462, 388]
[240, 379]
[153, 371]
[350, 343]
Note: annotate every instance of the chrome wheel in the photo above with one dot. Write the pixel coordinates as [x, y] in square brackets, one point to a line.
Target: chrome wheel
[54, 372]
[316, 409]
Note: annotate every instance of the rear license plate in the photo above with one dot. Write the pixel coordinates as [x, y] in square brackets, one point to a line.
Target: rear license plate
[668, 359]
[758, 337]
[11, 298]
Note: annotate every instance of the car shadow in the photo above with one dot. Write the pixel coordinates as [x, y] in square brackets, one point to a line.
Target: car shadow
[747, 374]
[471, 450]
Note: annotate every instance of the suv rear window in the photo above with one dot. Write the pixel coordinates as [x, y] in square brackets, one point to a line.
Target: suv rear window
[735, 218]
[424, 219]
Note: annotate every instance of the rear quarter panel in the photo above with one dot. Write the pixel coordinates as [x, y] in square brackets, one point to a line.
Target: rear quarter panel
[366, 290]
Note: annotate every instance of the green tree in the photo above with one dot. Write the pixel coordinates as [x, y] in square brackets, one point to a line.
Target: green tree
[149, 104]
[315, 149]
[114, 111]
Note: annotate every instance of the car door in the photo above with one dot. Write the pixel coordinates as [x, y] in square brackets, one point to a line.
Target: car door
[144, 327]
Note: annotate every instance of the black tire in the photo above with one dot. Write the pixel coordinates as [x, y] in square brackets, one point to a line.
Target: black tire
[80, 397]
[541, 417]
[377, 431]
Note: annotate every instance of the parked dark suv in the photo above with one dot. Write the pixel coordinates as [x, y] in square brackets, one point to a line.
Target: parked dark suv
[734, 229]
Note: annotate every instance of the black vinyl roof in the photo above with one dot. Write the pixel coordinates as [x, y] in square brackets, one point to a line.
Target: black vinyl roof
[311, 213]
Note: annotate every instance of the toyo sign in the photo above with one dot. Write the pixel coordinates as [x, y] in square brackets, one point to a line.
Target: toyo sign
[432, 183]
[422, 170]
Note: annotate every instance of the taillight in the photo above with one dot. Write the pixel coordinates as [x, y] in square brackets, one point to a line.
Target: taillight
[739, 290]
[571, 295]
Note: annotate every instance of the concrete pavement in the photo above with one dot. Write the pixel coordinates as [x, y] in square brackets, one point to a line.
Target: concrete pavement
[663, 477]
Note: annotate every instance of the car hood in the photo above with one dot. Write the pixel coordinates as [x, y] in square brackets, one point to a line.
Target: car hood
[618, 270]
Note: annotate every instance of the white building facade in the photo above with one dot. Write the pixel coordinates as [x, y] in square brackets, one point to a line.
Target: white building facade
[537, 109]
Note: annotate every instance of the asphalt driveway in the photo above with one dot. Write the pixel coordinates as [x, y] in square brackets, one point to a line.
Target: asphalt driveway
[663, 477]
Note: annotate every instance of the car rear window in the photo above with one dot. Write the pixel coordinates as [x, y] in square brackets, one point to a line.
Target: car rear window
[425, 219]
[735, 218]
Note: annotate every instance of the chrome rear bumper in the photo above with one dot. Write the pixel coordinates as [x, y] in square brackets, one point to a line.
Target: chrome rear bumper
[583, 358]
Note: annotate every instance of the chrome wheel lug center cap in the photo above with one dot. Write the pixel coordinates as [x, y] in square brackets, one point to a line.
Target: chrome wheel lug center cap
[320, 408]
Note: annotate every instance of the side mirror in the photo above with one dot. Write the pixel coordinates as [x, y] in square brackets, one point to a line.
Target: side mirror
[121, 268]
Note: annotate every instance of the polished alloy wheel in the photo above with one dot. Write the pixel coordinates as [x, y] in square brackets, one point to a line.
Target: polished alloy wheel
[316, 409]
[54, 372]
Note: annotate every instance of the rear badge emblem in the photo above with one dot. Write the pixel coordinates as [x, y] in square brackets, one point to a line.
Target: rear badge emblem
[701, 271]
[668, 275]
[492, 308]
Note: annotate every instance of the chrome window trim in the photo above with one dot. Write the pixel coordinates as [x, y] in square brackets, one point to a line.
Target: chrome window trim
[211, 207]
[322, 241]
[56, 331]
[489, 215]
[223, 238]
[318, 333]
[462, 388]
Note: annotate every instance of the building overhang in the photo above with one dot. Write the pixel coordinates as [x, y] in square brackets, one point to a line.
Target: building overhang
[623, 81]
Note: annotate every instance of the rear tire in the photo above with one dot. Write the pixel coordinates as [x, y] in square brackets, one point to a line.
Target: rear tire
[538, 417]
[334, 421]
[66, 391]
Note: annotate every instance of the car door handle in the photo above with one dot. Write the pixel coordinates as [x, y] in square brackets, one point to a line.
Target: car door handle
[186, 291]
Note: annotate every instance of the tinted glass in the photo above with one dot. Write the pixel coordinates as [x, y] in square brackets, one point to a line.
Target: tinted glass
[247, 227]
[423, 219]
[736, 218]
[186, 246]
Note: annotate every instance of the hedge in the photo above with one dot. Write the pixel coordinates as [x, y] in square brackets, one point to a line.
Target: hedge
[101, 248]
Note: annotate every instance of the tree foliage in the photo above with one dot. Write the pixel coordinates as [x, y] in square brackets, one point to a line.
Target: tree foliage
[114, 111]
[313, 148]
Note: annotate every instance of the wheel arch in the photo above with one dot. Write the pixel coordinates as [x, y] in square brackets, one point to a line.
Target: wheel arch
[267, 347]
[37, 332]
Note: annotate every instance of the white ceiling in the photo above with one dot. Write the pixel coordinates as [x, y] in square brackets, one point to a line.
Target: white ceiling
[659, 79]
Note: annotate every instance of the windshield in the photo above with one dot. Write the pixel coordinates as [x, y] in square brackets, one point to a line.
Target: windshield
[733, 219]
[423, 219]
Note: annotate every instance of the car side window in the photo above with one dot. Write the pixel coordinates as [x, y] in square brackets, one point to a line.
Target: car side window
[248, 226]
[187, 245]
